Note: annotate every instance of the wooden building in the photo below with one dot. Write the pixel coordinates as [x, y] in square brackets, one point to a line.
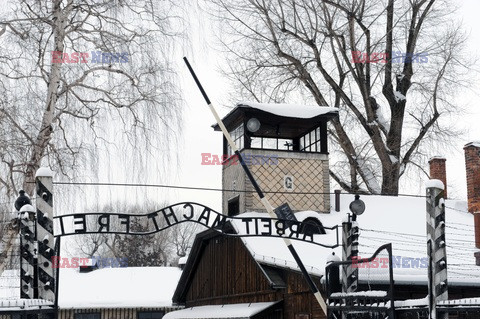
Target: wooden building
[221, 271]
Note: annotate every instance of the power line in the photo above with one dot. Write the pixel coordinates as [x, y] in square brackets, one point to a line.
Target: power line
[458, 210]
[389, 232]
[214, 189]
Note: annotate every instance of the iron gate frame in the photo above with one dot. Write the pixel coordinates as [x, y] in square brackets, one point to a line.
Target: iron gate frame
[347, 303]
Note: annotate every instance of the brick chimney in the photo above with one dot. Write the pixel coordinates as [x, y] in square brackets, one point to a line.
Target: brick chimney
[472, 164]
[438, 170]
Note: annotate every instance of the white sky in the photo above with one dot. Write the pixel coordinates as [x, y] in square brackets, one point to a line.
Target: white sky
[198, 137]
[456, 180]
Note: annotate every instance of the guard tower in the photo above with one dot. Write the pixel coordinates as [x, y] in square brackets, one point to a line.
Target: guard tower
[285, 147]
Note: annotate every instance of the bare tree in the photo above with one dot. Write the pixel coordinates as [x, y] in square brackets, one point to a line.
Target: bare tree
[70, 69]
[182, 237]
[157, 249]
[391, 67]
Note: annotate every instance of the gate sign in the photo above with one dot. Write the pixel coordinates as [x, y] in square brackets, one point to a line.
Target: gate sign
[145, 224]
[284, 212]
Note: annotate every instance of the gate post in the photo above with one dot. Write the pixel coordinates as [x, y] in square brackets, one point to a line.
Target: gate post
[349, 252]
[27, 250]
[45, 239]
[436, 244]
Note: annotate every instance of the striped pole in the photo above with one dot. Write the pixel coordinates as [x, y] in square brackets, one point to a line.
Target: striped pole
[354, 233]
[44, 200]
[27, 252]
[438, 285]
[349, 252]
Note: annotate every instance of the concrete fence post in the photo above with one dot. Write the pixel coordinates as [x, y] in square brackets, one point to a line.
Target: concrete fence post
[45, 235]
[437, 270]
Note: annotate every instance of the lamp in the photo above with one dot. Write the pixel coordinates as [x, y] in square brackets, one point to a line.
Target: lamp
[253, 125]
[22, 200]
[357, 207]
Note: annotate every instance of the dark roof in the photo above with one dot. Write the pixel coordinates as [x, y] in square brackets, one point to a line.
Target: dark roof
[290, 126]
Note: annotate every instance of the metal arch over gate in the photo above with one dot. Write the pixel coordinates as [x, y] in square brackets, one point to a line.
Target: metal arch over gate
[117, 223]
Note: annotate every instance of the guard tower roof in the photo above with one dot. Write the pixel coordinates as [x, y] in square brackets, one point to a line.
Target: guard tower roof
[297, 117]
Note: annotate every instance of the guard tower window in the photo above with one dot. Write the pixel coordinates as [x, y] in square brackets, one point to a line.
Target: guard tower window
[310, 142]
[237, 137]
[270, 143]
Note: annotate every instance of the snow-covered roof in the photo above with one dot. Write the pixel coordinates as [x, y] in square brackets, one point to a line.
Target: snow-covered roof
[107, 287]
[397, 220]
[294, 120]
[118, 287]
[238, 311]
[474, 144]
[290, 110]
[437, 157]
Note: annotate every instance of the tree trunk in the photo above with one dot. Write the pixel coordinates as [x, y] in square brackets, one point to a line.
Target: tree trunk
[390, 179]
[45, 134]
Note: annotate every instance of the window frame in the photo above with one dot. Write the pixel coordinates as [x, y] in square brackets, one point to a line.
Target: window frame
[238, 137]
[274, 140]
[311, 142]
[151, 312]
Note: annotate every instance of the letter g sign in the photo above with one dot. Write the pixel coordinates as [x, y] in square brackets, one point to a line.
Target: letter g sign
[288, 183]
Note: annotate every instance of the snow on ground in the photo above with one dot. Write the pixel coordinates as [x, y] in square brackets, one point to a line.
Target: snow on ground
[243, 310]
[397, 220]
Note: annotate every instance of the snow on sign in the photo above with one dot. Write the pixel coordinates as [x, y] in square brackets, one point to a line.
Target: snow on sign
[285, 226]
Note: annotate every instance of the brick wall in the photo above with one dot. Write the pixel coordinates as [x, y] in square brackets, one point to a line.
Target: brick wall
[472, 165]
